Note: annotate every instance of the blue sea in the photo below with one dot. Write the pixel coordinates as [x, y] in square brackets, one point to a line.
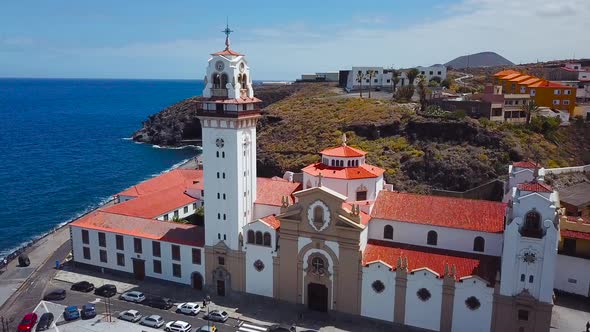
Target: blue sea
[65, 148]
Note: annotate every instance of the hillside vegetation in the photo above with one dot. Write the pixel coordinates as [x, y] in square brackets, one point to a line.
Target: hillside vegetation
[418, 151]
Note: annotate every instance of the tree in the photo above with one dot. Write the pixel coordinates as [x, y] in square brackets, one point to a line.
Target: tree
[422, 92]
[412, 74]
[437, 79]
[404, 93]
[370, 75]
[360, 76]
[445, 83]
[394, 80]
[530, 109]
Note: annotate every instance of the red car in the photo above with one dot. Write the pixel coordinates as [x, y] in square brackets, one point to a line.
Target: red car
[28, 322]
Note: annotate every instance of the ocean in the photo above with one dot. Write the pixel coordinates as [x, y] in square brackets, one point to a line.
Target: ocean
[65, 147]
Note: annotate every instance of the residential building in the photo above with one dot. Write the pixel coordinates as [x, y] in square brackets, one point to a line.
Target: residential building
[543, 92]
[321, 77]
[382, 77]
[341, 240]
[437, 70]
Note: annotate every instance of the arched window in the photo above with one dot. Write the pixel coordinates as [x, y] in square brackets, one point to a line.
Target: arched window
[432, 238]
[388, 232]
[479, 244]
[318, 215]
[332, 162]
[532, 225]
[223, 80]
[522, 277]
[250, 236]
[531, 278]
[216, 81]
[266, 240]
[259, 238]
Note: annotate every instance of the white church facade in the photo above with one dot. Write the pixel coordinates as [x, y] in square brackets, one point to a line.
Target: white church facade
[341, 240]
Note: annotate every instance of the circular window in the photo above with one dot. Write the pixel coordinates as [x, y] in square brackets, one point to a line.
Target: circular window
[259, 265]
[423, 294]
[378, 286]
[472, 303]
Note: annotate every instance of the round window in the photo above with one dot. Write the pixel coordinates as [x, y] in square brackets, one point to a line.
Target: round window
[423, 294]
[378, 286]
[259, 265]
[472, 303]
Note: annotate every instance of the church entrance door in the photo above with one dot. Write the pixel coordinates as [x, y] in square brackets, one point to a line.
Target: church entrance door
[317, 297]
[221, 287]
[197, 281]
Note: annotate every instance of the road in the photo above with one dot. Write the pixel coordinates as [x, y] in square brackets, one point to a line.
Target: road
[464, 77]
[26, 298]
[117, 306]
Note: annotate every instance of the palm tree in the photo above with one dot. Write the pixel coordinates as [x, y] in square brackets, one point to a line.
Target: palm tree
[370, 75]
[360, 76]
[412, 74]
[529, 109]
[422, 92]
[394, 79]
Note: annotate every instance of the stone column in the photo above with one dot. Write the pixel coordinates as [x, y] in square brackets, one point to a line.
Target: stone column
[448, 297]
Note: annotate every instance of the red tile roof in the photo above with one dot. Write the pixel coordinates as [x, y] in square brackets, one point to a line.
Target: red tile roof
[272, 221]
[144, 228]
[511, 76]
[154, 204]
[343, 151]
[227, 51]
[270, 191]
[363, 171]
[530, 80]
[524, 164]
[506, 72]
[475, 215]
[246, 100]
[548, 84]
[466, 264]
[173, 178]
[535, 186]
[575, 234]
[520, 78]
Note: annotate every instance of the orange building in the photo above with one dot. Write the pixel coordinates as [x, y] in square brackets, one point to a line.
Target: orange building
[543, 92]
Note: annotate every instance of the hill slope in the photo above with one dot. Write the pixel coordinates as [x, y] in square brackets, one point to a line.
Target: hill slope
[483, 59]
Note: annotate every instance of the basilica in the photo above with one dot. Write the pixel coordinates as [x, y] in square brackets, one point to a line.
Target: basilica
[334, 237]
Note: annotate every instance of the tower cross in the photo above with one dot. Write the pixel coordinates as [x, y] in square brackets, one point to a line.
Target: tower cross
[227, 32]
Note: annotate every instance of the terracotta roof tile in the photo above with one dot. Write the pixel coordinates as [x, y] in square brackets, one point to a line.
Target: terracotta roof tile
[227, 51]
[365, 218]
[524, 164]
[363, 171]
[548, 84]
[270, 191]
[272, 221]
[535, 186]
[530, 81]
[505, 72]
[154, 204]
[475, 215]
[511, 76]
[466, 264]
[575, 235]
[520, 78]
[144, 228]
[343, 151]
[173, 178]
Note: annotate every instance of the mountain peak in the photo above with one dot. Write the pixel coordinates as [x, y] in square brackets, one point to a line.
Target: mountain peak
[482, 59]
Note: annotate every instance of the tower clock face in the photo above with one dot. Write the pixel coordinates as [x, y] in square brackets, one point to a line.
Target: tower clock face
[219, 142]
[219, 65]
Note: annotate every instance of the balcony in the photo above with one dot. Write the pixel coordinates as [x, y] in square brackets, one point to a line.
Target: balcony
[219, 92]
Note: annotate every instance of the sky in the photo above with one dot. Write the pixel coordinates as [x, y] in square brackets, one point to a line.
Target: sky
[281, 39]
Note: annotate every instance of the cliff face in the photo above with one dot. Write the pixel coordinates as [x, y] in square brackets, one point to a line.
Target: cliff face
[178, 122]
[419, 152]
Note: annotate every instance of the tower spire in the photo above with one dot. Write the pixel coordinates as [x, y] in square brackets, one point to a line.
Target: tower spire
[227, 32]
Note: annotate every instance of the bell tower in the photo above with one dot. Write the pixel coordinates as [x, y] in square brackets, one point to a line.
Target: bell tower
[228, 116]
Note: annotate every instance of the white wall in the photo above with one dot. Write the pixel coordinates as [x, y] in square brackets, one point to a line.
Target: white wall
[259, 282]
[187, 266]
[435, 72]
[263, 210]
[345, 187]
[424, 314]
[448, 238]
[373, 304]
[572, 275]
[181, 213]
[465, 319]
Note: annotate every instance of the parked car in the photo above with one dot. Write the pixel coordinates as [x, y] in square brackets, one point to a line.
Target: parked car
[130, 316]
[55, 295]
[188, 308]
[159, 302]
[71, 313]
[88, 311]
[281, 328]
[107, 290]
[217, 316]
[153, 321]
[206, 328]
[45, 322]
[28, 322]
[83, 286]
[177, 326]
[133, 296]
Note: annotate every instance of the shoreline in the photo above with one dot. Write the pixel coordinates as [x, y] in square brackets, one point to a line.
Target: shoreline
[191, 163]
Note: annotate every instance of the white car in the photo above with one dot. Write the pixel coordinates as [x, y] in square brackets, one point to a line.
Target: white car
[177, 326]
[153, 321]
[130, 316]
[133, 296]
[188, 308]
